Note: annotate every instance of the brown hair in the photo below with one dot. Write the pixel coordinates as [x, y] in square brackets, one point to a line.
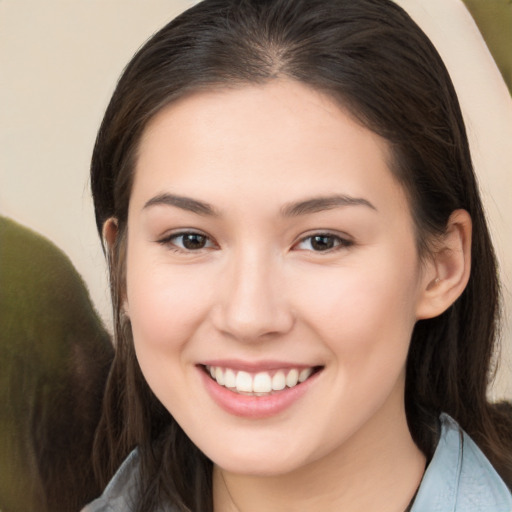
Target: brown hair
[374, 60]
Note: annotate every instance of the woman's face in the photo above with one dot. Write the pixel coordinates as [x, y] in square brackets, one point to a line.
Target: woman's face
[270, 245]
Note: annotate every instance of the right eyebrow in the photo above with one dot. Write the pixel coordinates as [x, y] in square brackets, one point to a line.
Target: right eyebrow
[318, 204]
[183, 202]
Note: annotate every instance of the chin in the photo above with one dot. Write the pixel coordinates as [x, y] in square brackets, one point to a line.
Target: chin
[271, 460]
[258, 466]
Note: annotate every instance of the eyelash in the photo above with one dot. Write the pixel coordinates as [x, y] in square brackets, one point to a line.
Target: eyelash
[337, 241]
[169, 241]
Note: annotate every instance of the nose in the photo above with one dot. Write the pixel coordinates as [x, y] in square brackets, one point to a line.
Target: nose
[253, 304]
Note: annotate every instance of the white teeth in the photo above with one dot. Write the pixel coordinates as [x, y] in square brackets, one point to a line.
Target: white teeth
[219, 376]
[278, 381]
[261, 383]
[292, 378]
[304, 374]
[229, 379]
[243, 382]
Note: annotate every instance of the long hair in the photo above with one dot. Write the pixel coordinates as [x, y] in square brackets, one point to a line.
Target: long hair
[371, 58]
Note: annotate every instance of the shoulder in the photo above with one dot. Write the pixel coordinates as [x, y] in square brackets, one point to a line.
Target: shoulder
[460, 478]
[121, 493]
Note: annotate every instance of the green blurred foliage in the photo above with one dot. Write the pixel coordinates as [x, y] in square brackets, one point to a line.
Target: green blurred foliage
[54, 358]
[494, 19]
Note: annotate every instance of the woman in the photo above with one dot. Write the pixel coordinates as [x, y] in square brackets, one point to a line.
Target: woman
[304, 287]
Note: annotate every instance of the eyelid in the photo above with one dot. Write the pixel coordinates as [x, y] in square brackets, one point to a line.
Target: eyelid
[167, 240]
[344, 241]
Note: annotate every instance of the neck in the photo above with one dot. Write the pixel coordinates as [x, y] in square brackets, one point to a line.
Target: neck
[379, 468]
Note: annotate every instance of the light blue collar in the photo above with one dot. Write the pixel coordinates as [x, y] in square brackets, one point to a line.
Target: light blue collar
[459, 477]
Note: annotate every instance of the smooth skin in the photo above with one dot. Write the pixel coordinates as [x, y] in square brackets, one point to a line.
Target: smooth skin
[252, 284]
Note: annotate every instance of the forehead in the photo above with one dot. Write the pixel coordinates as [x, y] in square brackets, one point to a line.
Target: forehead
[283, 139]
[287, 108]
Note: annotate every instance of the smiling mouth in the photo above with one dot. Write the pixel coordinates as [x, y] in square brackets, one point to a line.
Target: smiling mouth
[263, 383]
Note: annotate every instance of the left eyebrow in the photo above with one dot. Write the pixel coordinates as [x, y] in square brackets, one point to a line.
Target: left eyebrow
[318, 204]
[183, 202]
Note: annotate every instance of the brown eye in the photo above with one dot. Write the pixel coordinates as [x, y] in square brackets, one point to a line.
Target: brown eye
[322, 242]
[193, 241]
[189, 241]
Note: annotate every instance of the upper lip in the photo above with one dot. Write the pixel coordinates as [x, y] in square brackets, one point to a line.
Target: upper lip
[256, 366]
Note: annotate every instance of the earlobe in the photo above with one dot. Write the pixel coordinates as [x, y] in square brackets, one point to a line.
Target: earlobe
[109, 232]
[449, 268]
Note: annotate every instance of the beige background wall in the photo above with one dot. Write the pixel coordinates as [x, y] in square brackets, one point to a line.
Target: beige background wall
[59, 61]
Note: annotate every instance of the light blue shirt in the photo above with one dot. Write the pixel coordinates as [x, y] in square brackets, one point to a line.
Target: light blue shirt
[459, 478]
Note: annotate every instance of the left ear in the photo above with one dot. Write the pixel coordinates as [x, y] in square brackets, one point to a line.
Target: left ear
[448, 268]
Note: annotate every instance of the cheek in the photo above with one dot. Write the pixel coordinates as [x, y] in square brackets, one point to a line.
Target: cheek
[165, 306]
[365, 319]
[366, 314]
[166, 310]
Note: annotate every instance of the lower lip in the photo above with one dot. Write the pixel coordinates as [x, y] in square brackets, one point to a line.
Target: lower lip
[255, 407]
